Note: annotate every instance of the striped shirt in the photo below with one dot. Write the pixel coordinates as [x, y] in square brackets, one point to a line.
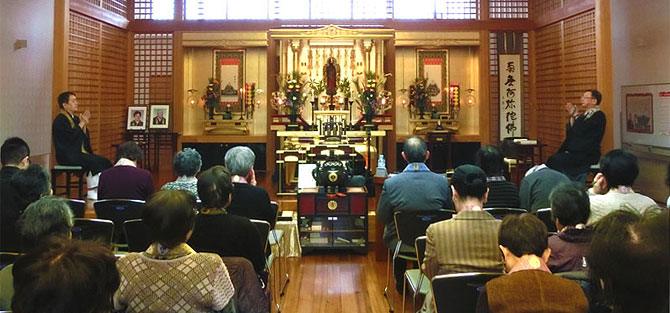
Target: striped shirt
[466, 243]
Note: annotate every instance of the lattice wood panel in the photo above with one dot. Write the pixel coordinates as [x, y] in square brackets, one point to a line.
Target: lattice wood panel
[565, 58]
[508, 9]
[540, 7]
[97, 71]
[117, 6]
[152, 69]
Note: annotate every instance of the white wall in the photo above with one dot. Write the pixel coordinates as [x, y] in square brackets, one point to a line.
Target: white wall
[26, 74]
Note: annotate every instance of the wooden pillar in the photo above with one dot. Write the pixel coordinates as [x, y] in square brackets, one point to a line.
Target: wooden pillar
[604, 70]
[389, 67]
[532, 76]
[272, 71]
[484, 102]
[178, 84]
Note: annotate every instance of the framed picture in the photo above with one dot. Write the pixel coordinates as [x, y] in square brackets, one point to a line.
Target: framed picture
[229, 71]
[434, 64]
[137, 118]
[160, 115]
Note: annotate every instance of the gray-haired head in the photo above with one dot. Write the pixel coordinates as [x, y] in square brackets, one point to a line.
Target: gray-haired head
[48, 216]
[239, 160]
[187, 162]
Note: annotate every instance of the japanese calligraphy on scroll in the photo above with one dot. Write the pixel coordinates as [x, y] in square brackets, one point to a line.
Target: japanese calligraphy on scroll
[510, 95]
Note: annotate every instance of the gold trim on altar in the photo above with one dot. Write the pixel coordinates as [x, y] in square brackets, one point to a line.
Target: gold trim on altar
[331, 32]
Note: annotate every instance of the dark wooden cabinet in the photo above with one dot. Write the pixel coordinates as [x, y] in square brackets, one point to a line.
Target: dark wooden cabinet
[333, 222]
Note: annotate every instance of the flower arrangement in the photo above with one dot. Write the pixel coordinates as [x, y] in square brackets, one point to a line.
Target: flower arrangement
[371, 96]
[318, 87]
[293, 93]
[418, 97]
[212, 96]
[344, 86]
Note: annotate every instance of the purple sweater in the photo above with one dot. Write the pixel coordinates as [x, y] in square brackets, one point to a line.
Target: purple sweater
[125, 182]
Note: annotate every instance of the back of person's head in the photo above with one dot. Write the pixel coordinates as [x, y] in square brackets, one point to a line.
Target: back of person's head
[491, 160]
[619, 168]
[469, 181]
[169, 215]
[65, 276]
[31, 184]
[13, 151]
[569, 204]
[215, 187]
[629, 254]
[415, 149]
[596, 95]
[239, 160]
[187, 162]
[64, 97]
[523, 234]
[48, 216]
[128, 150]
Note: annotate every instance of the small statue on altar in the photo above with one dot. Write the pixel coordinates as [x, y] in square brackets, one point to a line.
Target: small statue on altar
[331, 74]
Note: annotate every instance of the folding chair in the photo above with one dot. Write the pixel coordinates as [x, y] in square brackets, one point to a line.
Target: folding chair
[417, 281]
[137, 235]
[119, 211]
[409, 225]
[458, 293]
[263, 228]
[545, 216]
[78, 207]
[499, 213]
[275, 239]
[94, 230]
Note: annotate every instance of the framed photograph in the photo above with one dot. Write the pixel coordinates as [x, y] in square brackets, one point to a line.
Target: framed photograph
[137, 118]
[229, 71]
[160, 115]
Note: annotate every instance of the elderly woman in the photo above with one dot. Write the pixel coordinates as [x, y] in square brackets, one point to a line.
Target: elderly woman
[186, 164]
[170, 276]
[125, 180]
[46, 217]
[217, 231]
[248, 200]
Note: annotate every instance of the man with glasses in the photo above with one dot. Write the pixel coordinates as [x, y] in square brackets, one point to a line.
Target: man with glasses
[583, 135]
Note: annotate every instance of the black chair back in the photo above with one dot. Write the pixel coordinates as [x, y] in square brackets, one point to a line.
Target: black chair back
[420, 247]
[119, 211]
[458, 293]
[411, 224]
[7, 258]
[499, 213]
[137, 235]
[263, 228]
[78, 207]
[93, 229]
[545, 216]
[275, 208]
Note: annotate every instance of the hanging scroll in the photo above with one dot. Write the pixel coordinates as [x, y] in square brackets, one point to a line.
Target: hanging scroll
[510, 95]
[433, 65]
[229, 71]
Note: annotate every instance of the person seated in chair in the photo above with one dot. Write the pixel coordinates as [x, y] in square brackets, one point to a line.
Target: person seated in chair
[248, 200]
[529, 286]
[629, 256]
[415, 189]
[186, 165]
[47, 217]
[14, 156]
[536, 186]
[612, 187]
[570, 210]
[170, 276]
[125, 180]
[472, 230]
[502, 194]
[217, 231]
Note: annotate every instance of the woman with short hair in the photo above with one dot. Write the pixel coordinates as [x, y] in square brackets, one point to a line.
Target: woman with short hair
[186, 165]
[170, 276]
[125, 180]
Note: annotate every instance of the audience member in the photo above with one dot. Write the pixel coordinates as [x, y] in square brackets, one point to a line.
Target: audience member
[629, 256]
[14, 156]
[612, 187]
[536, 186]
[186, 165]
[583, 135]
[416, 188]
[218, 232]
[125, 180]
[28, 186]
[467, 242]
[529, 286]
[170, 276]
[72, 141]
[64, 275]
[570, 210]
[248, 200]
[502, 194]
[46, 217]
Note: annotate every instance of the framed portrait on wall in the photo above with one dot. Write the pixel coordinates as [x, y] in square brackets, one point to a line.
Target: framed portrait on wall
[229, 71]
[137, 118]
[434, 64]
[160, 115]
